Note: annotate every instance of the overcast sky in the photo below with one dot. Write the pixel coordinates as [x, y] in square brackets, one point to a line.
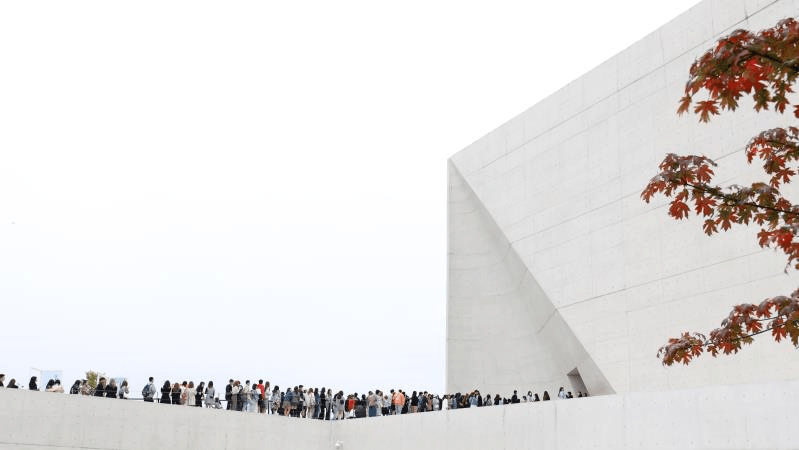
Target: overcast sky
[205, 190]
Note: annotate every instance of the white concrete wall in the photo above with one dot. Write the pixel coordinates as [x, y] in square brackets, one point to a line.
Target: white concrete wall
[43, 420]
[555, 263]
[722, 417]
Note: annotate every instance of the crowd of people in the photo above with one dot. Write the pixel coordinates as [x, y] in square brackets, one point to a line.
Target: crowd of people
[310, 403]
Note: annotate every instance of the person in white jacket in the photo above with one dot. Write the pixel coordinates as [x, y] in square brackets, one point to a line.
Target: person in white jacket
[310, 403]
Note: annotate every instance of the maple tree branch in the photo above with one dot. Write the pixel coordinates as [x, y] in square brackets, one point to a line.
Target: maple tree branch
[708, 342]
[729, 198]
[775, 143]
[794, 68]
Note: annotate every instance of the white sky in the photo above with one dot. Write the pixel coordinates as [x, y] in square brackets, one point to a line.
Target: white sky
[205, 190]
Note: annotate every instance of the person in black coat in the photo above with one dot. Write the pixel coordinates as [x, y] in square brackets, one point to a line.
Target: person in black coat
[165, 390]
[322, 403]
[32, 385]
[199, 394]
[176, 394]
[99, 390]
[75, 389]
[111, 390]
[229, 394]
[12, 384]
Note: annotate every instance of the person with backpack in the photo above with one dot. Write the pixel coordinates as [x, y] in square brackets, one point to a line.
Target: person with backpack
[149, 391]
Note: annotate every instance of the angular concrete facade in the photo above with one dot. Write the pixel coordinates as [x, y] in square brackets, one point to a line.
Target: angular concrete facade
[559, 275]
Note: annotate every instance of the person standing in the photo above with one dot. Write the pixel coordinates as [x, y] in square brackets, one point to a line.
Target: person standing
[190, 394]
[234, 396]
[244, 397]
[399, 402]
[371, 404]
[210, 393]
[176, 394]
[111, 389]
[322, 403]
[229, 395]
[99, 390]
[310, 404]
[562, 394]
[183, 387]
[149, 391]
[2, 379]
[261, 397]
[165, 391]
[199, 394]
[274, 401]
[255, 398]
[32, 384]
[287, 402]
[123, 390]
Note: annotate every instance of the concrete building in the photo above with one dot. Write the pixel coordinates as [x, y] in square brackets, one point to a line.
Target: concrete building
[560, 275]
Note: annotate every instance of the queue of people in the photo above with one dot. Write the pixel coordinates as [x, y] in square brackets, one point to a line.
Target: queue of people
[310, 403]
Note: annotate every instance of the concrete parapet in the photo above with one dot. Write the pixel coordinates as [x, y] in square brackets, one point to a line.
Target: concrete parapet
[755, 416]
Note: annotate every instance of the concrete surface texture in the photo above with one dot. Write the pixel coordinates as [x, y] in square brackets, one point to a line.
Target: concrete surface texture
[43, 420]
[743, 416]
[560, 275]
